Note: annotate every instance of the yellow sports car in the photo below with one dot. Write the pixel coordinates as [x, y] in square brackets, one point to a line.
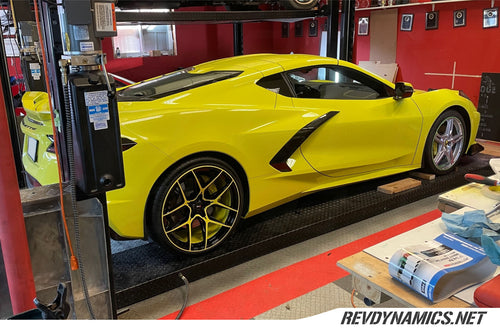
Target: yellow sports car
[227, 139]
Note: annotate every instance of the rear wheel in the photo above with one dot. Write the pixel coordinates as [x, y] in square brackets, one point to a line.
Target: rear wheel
[197, 206]
[445, 143]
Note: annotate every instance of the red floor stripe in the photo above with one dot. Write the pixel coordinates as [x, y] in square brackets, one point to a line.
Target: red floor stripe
[269, 291]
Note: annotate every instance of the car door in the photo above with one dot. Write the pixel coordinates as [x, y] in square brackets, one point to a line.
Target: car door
[367, 129]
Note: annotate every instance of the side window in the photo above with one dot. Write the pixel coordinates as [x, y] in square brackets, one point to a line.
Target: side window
[276, 83]
[336, 83]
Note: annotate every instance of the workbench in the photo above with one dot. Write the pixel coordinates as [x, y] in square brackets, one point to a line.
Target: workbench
[369, 268]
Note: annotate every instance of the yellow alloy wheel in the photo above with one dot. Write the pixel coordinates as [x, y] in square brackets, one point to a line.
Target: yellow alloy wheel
[198, 206]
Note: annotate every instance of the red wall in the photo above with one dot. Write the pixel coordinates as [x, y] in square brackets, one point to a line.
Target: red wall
[474, 49]
[198, 43]
[14, 66]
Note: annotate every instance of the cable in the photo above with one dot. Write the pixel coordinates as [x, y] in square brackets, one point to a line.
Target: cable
[352, 298]
[186, 283]
[73, 260]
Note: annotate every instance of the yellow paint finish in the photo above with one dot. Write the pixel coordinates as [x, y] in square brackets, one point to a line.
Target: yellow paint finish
[247, 125]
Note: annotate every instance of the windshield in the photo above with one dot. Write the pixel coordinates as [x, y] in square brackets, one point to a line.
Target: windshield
[172, 83]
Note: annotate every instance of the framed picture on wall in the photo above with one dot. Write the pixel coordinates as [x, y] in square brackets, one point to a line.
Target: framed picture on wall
[431, 20]
[285, 27]
[490, 18]
[363, 26]
[459, 18]
[313, 28]
[298, 29]
[406, 22]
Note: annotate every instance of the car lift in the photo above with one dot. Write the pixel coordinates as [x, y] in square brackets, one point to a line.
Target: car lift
[281, 227]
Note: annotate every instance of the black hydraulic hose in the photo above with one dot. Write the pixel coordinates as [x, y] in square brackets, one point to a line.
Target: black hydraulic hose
[71, 161]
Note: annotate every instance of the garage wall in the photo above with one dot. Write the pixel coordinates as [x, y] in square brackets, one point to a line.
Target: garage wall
[198, 43]
[383, 35]
[471, 50]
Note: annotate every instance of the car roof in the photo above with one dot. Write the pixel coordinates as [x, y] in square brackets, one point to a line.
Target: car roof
[264, 62]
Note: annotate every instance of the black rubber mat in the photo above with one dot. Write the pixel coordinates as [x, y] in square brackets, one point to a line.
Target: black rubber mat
[149, 270]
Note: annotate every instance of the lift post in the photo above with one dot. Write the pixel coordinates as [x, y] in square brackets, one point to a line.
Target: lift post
[333, 29]
[347, 30]
[13, 239]
[238, 38]
[88, 140]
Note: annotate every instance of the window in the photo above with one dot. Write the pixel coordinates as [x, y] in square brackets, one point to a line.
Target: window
[144, 40]
[172, 83]
[276, 83]
[336, 83]
[9, 33]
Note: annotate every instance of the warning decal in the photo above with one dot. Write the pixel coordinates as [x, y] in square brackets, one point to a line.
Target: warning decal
[105, 20]
[97, 107]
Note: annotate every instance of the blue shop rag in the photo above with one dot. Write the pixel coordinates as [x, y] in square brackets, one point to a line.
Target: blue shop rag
[475, 226]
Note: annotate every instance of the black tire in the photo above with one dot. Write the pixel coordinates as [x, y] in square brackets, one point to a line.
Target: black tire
[446, 143]
[197, 206]
[299, 4]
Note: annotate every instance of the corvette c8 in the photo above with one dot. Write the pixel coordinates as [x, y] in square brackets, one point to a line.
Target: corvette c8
[209, 145]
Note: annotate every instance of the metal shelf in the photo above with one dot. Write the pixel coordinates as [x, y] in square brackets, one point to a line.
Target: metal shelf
[200, 17]
[432, 3]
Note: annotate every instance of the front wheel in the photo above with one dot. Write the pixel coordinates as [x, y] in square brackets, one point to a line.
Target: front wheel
[445, 143]
[197, 206]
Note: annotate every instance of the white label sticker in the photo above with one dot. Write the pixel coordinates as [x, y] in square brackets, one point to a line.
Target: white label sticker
[28, 39]
[97, 107]
[99, 116]
[86, 46]
[36, 72]
[94, 98]
[80, 32]
[104, 16]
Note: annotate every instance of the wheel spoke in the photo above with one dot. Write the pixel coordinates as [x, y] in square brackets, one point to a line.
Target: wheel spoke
[182, 191]
[457, 138]
[438, 139]
[182, 224]
[190, 236]
[224, 206]
[439, 156]
[213, 180]
[200, 187]
[224, 191]
[204, 229]
[213, 221]
[175, 210]
[449, 156]
[449, 127]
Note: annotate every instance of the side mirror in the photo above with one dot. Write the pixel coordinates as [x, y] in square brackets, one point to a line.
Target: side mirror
[402, 90]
